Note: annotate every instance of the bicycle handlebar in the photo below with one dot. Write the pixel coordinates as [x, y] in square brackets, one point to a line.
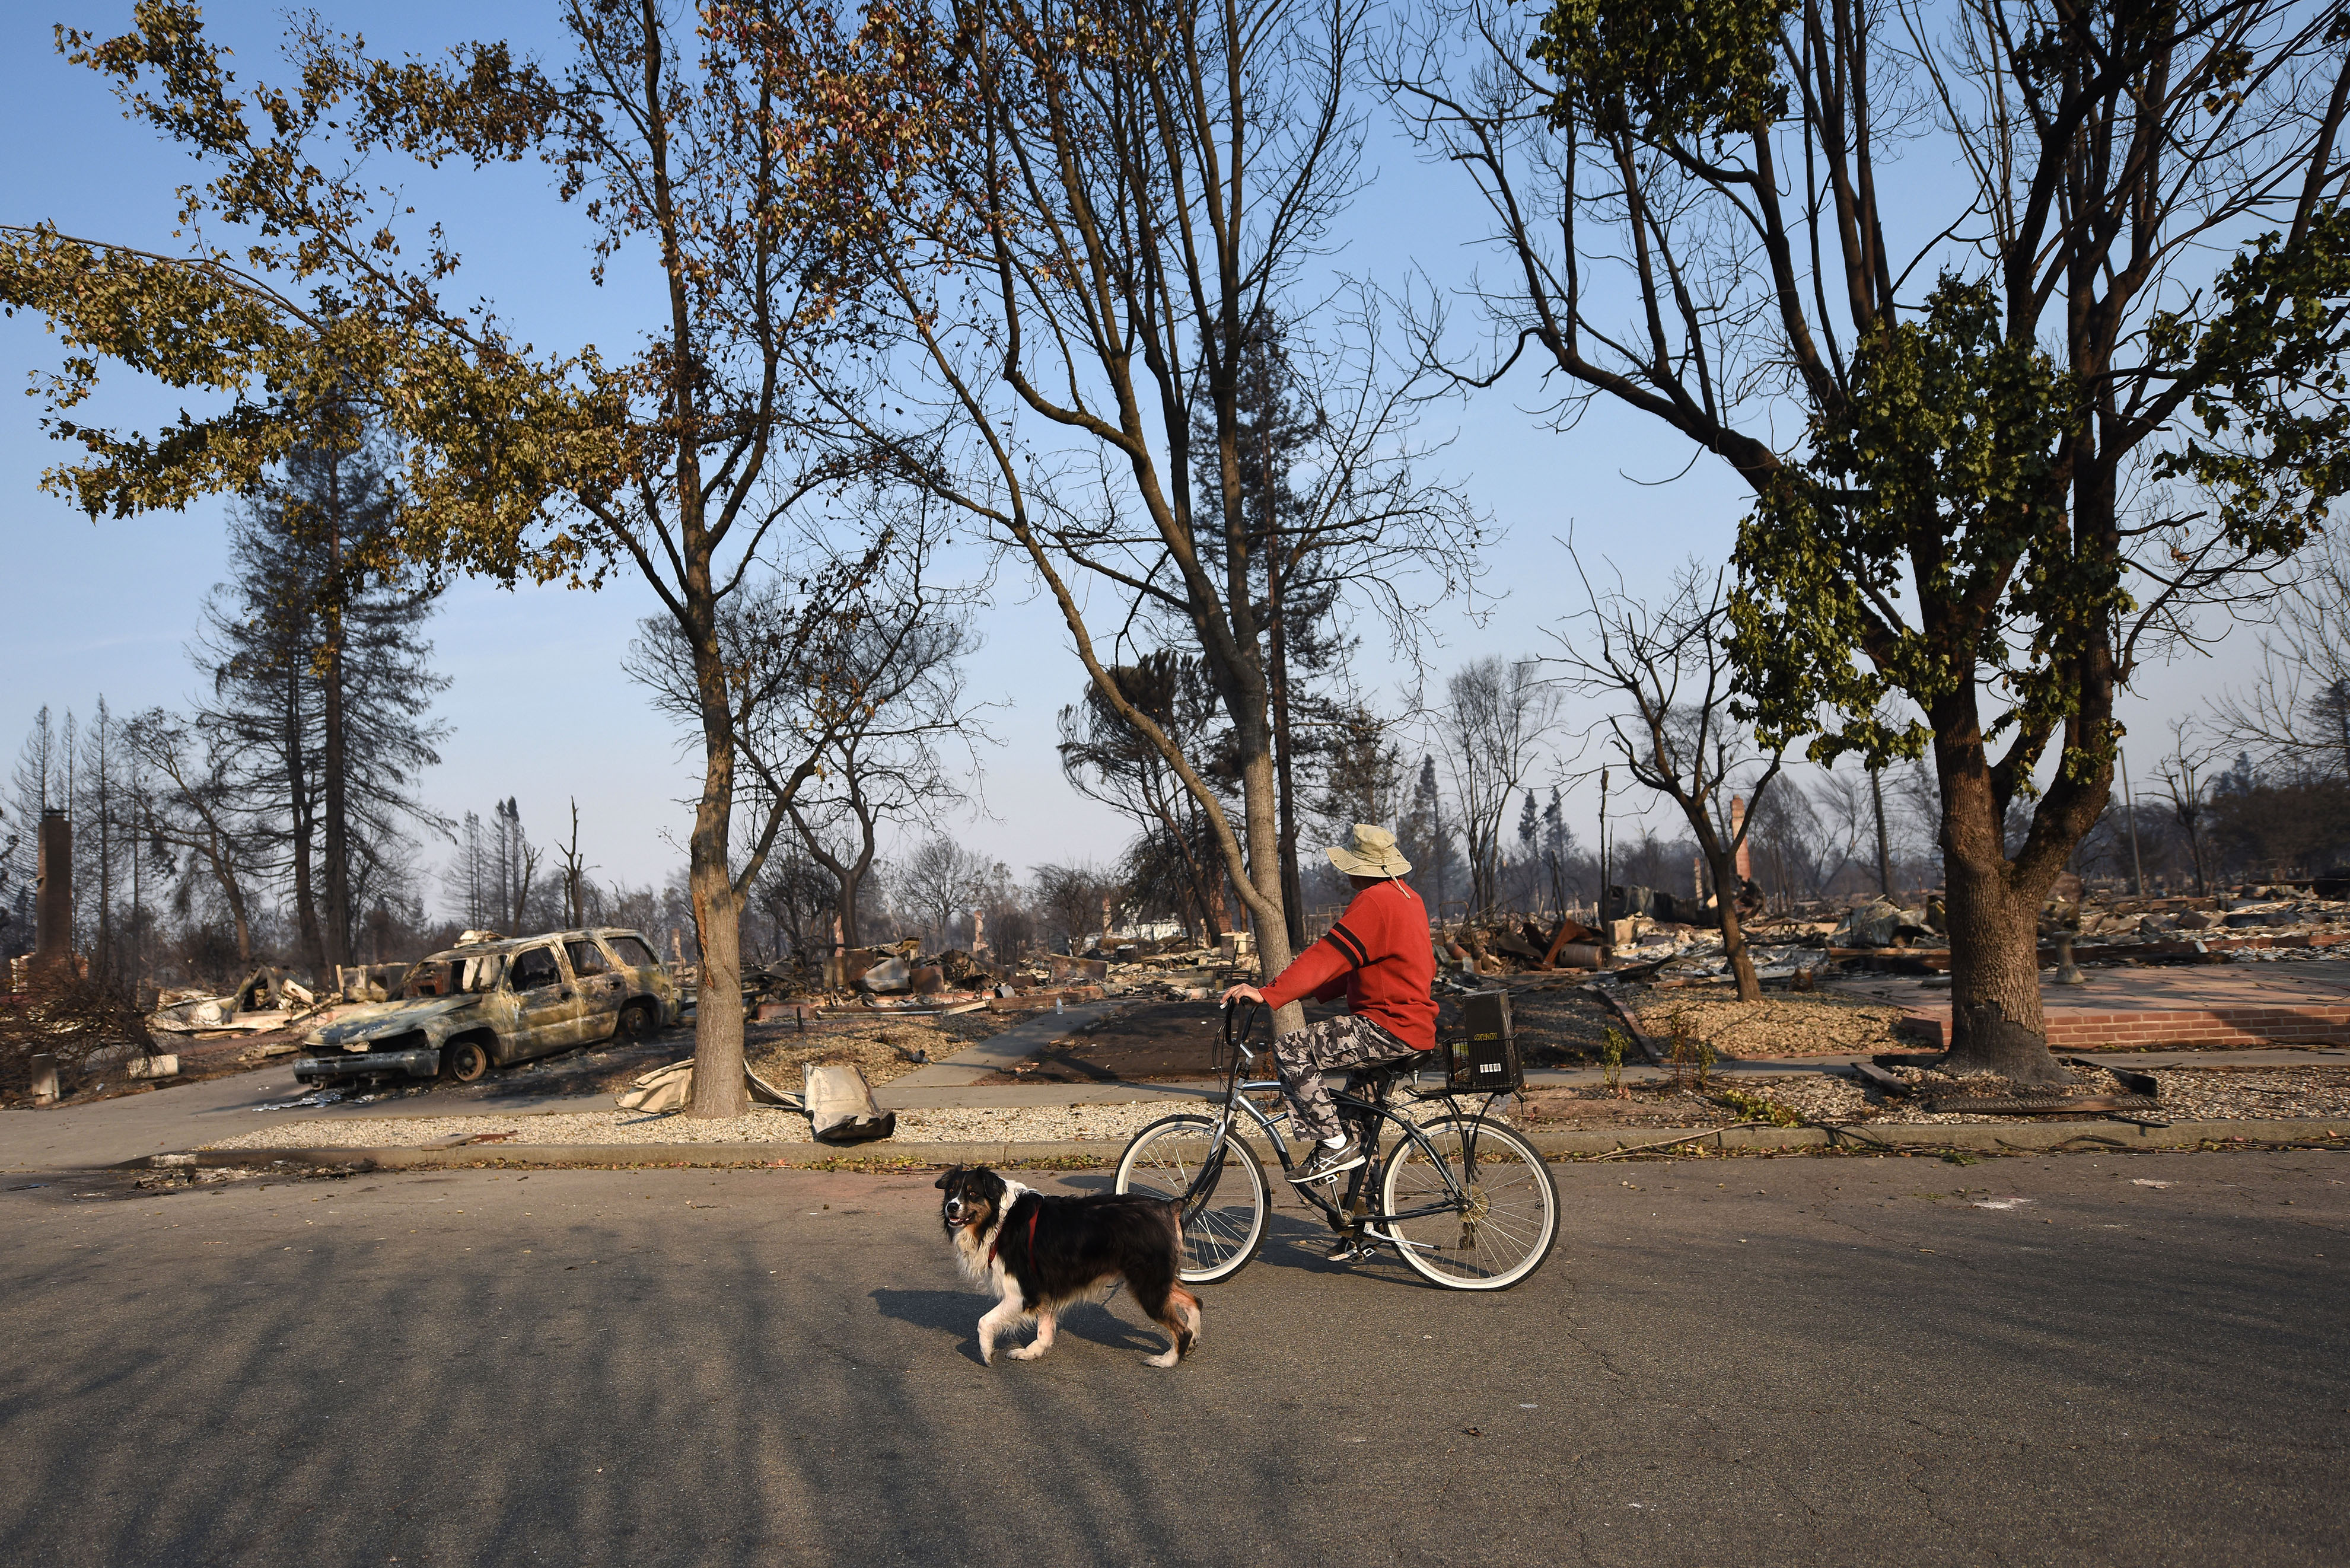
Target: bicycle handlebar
[1237, 1038]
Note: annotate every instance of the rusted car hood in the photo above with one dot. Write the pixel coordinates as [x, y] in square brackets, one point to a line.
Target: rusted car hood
[381, 1019]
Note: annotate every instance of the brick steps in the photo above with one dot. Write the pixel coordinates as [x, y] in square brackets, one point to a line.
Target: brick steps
[2071, 1029]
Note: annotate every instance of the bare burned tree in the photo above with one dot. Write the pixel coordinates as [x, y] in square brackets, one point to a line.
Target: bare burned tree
[1849, 808]
[838, 694]
[1078, 899]
[1107, 193]
[2187, 777]
[886, 766]
[943, 880]
[1681, 736]
[1793, 844]
[2294, 715]
[1497, 714]
[195, 811]
[575, 873]
[2001, 444]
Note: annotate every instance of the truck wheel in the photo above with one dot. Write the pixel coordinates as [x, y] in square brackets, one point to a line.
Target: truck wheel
[636, 1023]
[464, 1061]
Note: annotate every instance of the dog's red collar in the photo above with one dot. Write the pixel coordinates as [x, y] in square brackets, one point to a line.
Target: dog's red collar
[1032, 1212]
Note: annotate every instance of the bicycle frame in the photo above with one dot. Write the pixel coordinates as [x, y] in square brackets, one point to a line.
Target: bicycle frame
[1355, 1211]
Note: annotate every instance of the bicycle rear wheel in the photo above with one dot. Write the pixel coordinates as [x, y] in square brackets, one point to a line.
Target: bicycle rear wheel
[1225, 1223]
[1498, 1218]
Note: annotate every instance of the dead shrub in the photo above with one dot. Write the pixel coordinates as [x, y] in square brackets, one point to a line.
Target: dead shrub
[85, 1026]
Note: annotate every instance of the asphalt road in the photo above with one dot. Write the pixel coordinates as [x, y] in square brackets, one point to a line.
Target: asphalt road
[1798, 1361]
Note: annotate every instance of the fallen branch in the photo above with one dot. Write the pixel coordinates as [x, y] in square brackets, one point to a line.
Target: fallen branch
[1690, 1137]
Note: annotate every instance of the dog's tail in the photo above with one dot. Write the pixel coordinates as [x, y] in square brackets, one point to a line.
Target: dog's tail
[1174, 1211]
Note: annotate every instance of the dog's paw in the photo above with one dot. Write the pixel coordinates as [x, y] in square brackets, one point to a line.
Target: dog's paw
[1166, 1360]
[1026, 1353]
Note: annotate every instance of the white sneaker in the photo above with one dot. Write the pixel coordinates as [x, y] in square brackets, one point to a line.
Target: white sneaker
[1328, 1162]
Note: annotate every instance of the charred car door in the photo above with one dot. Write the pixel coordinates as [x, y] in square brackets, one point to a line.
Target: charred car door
[551, 1010]
[602, 988]
[642, 972]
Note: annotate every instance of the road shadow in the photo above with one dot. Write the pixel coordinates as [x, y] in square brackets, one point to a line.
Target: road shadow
[944, 1311]
[959, 1311]
[1295, 1239]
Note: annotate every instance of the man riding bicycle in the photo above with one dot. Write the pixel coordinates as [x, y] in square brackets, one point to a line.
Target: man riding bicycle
[1379, 958]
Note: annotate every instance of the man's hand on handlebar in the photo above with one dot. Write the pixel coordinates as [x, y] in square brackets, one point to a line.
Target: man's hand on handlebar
[1243, 994]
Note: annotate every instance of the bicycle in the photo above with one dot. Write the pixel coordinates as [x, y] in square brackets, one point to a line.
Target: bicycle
[1457, 1167]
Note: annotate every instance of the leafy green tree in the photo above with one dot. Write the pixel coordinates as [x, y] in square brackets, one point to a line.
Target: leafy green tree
[2036, 428]
[1667, 670]
[690, 456]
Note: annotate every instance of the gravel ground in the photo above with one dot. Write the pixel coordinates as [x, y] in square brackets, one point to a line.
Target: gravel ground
[2188, 1095]
[1819, 1025]
[2211, 1093]
[1026, 1124]
[885, 1049]
[1043, 1124]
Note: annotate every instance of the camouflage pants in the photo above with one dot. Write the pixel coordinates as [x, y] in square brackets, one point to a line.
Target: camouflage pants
[1301, 1057]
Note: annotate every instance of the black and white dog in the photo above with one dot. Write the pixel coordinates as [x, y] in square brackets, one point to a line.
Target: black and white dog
[1039, 1254]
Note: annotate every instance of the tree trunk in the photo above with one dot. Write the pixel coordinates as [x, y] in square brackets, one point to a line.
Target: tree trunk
[104, 966]
[1257, 796]
[305, 902]
[1994, 917]
[719, 1089]
[848, 876]
[1733, 936]
[851, 879]
[234, 896]
[338, 867]
[1292, 885]
[1884, 846]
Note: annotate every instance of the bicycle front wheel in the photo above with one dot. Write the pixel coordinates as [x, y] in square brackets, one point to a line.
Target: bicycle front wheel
[1482, 1214]
[1224, 1221]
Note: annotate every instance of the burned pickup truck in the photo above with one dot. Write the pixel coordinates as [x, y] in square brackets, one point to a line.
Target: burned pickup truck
[488, 1005]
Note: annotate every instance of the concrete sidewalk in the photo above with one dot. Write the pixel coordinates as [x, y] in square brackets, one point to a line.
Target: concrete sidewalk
[1002, 1052]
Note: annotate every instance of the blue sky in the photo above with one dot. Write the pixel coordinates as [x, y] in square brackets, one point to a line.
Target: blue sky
[109, 607]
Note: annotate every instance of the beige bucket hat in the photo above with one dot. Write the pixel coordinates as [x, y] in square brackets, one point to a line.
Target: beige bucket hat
[1374, 854]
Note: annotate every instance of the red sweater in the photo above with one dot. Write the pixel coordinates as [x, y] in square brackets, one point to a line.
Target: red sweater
[1379, 955]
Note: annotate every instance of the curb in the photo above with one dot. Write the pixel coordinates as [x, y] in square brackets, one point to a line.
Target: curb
[1556, 1144]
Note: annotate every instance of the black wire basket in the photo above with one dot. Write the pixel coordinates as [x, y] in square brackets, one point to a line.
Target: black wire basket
[1484, 1060]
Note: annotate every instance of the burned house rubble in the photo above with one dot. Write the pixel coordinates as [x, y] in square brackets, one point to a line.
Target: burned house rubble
[1661, 939]
[900, 978]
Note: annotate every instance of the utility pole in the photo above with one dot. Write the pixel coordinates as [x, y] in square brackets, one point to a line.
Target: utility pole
[2129, 805]
[1606, 926]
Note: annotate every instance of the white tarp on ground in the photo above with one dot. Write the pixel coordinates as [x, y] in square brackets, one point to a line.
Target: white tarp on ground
[668, 1088]
[837, 1101]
